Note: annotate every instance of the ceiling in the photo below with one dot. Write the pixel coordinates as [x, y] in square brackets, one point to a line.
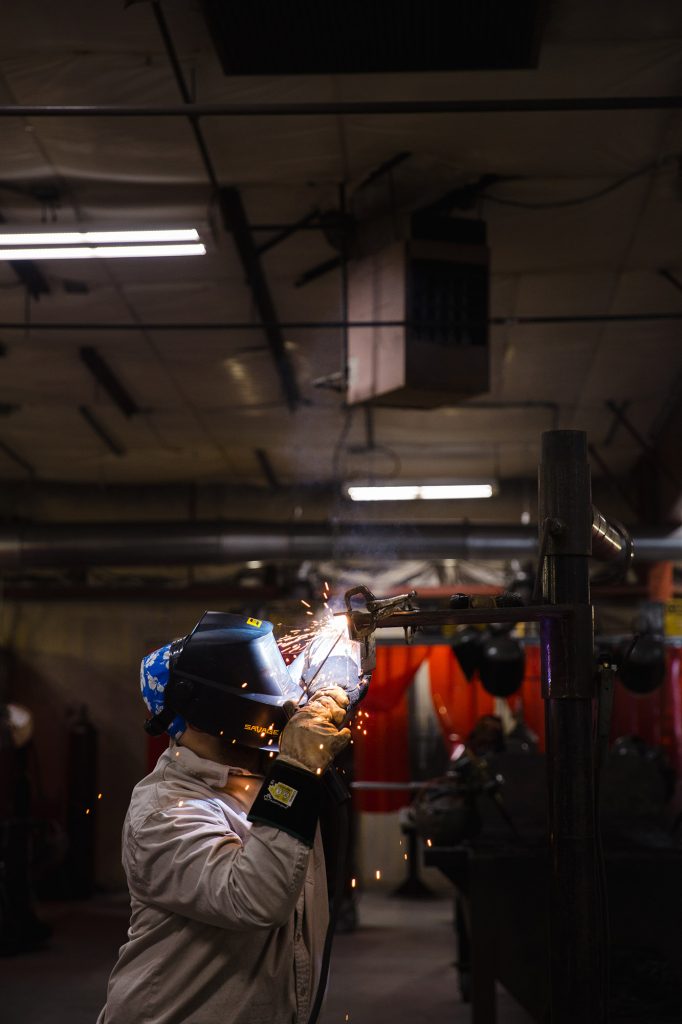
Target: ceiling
[210, 399]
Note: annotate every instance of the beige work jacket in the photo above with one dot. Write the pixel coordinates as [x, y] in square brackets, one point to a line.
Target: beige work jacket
[228, 918]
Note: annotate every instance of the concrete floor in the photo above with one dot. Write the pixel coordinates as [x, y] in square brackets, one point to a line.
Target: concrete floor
[396, 967]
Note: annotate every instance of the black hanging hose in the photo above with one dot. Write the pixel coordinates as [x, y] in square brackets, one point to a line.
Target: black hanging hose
[342, 797]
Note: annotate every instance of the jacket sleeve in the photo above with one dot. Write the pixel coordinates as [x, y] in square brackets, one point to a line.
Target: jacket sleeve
[184, 859]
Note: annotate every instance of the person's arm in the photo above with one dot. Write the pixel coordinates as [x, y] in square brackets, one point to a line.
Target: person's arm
[184, 860]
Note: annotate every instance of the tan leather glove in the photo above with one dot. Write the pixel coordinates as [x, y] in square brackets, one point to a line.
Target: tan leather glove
[311, 739]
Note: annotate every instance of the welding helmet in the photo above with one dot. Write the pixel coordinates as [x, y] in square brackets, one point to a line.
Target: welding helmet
[228, 678]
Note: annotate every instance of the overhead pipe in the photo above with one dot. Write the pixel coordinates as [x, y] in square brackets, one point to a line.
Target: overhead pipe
[74, 544]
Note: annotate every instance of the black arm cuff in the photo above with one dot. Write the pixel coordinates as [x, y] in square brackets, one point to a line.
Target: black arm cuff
[289, 799]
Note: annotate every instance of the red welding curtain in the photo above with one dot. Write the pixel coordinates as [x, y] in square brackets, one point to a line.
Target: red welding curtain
[383, 754]
[459, 703]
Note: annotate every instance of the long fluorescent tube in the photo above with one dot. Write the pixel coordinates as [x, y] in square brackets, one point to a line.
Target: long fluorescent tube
[96, 237]
[413, 492]
[102, 252]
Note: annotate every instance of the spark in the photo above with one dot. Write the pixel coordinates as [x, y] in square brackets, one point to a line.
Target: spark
[292, 643]
[353, 883]
[246, 789]
[378, 875]
[404, 856]
[181, 803]
[244, 685]
[305, 603]
[99, 796]
[429, 843]
[87, 810]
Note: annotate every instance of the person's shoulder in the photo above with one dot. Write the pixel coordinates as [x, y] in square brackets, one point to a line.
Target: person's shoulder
[163, 796]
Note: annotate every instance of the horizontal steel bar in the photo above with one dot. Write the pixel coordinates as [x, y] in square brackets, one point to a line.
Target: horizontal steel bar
[351, 107]
[465, 616]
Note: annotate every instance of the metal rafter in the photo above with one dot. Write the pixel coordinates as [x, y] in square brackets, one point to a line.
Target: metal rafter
[236, 222]
[350, 107]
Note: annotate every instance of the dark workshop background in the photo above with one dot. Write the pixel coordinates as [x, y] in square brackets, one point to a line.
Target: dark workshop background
[501, 183]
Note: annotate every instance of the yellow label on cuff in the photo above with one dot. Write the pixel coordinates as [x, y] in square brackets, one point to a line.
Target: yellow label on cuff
[254, 622]
[281, 794]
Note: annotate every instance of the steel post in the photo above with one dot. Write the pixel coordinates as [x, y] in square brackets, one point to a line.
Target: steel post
[575, 900]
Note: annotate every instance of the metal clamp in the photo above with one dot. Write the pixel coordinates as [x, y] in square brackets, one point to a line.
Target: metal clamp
[362, 622]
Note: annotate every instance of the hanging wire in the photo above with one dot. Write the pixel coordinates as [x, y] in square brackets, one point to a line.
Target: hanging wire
[653, 165]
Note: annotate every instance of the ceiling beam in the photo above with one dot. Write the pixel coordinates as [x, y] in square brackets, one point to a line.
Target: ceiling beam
[17, 459]
[236, 222]
[102, 433]
[321, 325]
[350, 107]
[107, 379]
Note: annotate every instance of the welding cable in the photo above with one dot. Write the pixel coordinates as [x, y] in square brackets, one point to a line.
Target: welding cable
[342, 797]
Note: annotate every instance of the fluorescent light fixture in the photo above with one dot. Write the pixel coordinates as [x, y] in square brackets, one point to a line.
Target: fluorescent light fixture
[415, 492]
[29, 238]
[102, 252]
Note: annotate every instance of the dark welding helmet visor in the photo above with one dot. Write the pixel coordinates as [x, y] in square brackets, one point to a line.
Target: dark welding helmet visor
[228, 678]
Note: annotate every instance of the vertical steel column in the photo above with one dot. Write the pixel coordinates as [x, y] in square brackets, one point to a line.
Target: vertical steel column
[575, 918]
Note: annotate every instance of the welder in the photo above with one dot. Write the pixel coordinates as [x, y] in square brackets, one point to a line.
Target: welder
[221, 845]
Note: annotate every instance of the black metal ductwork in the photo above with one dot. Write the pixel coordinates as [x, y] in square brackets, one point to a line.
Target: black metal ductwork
[61, 544]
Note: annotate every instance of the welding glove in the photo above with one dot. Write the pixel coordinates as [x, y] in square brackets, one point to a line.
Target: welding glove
[312, 737]
[290, 797]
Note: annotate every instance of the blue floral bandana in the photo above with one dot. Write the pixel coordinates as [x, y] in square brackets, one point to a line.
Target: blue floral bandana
[154, 677]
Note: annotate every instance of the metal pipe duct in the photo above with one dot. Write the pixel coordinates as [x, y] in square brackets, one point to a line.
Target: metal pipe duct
[61, 545]
[611, 542]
